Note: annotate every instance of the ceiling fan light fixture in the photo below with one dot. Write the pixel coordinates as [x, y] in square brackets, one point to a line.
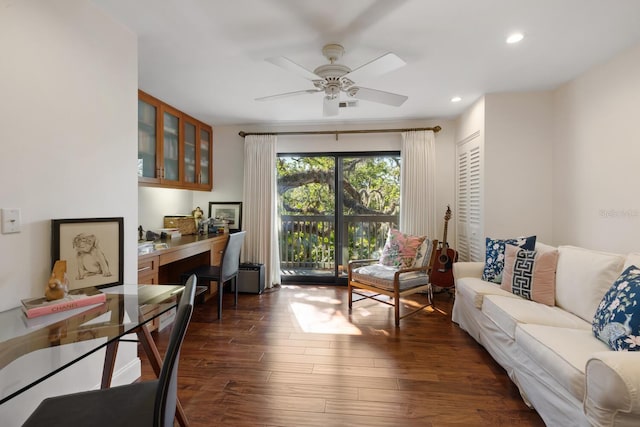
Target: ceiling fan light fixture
[333, 78]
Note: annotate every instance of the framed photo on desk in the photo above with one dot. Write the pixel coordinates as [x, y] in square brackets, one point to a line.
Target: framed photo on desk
[228, 211]
[93, 249]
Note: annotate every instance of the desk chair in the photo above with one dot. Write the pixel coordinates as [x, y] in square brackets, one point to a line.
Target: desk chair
[149, 403]
[228, 269]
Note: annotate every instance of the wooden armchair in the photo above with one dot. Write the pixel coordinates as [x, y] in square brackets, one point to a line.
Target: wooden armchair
[369, 275]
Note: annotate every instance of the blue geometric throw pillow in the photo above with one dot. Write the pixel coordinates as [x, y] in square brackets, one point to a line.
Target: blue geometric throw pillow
[494, 256]
[617, 319]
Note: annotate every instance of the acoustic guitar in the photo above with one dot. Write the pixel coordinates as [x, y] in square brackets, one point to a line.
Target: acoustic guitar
[442, 273]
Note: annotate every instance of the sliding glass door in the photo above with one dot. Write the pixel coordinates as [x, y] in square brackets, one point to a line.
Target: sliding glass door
[334, 207]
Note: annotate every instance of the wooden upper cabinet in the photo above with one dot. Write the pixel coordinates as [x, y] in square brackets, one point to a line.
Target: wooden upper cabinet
[205, 157]
[174, 149]
[149, 163]
[197, 154]
[172, 146]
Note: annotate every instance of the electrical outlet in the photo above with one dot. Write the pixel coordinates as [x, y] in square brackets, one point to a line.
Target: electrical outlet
[10, 221]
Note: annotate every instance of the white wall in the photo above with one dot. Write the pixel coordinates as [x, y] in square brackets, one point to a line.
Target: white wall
[595, 158]
[573, 149]
[68, 134]
[154, 203]
[228, 168]
[515, 132]
[471, 121]
[228, 153]
[518, 145]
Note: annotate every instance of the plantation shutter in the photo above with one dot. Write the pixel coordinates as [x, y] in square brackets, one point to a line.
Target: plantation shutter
[470, 245]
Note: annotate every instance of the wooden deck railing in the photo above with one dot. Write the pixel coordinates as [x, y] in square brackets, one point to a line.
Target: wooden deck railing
[309, 242]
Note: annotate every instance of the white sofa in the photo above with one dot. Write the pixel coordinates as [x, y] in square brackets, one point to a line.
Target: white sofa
[550, 352]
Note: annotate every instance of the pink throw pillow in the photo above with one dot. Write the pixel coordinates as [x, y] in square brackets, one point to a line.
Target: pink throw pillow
[530, 274]
[400, 249]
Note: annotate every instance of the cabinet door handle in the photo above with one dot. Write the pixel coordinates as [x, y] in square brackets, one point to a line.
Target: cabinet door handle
[144, 269]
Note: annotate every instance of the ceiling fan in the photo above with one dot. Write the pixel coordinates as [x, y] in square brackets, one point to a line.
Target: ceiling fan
[333, 78]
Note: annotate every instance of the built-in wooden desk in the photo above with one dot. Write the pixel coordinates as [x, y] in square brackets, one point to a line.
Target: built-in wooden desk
[164, 266]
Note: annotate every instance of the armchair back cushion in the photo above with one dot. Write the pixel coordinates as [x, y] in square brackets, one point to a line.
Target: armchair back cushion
[423, 255]
[400, 249]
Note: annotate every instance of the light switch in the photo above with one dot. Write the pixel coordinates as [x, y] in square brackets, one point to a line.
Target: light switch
[10, 221]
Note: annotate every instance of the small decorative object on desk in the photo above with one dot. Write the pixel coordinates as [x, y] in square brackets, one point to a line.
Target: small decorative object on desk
[197, 215]
[231, 212]
[35, 307]
[58, 283]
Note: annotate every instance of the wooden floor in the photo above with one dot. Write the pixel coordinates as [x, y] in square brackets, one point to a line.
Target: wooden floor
[295, 357]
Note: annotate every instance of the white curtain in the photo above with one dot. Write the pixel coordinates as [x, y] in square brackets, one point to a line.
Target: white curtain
[259, 215]
[418, 184]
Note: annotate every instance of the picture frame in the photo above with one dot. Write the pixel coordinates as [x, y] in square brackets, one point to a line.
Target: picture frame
[93, 249]
[230, 211]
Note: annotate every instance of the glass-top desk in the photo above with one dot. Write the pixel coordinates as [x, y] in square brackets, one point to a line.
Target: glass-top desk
[128, 309]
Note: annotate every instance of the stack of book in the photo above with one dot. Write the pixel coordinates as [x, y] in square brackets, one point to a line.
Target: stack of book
[170, 233]
[76, 298]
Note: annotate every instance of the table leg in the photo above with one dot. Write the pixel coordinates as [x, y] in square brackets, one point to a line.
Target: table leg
[220, 290]
[150, 349]
[235, 286]
[109, 363]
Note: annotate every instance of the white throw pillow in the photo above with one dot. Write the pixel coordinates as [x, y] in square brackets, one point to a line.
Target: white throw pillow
[583, 277]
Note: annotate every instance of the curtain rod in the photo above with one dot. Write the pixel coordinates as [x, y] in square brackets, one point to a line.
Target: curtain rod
[338, 132]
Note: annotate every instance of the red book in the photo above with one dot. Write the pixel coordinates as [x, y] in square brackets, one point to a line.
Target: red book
[35, 307]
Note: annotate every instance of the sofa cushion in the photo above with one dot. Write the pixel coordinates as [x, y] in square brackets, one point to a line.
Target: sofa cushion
[474, 289]
[530, 274]
[632, 259]
[582, 278]
[507, 313]
[494, 255]
[400, 249]
[617, 320]
[562, 352]
[381, 276]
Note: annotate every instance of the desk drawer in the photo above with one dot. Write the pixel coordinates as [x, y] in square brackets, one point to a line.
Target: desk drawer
[148, 269]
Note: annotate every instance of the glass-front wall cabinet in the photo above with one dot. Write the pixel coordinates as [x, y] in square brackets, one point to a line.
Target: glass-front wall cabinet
[148, 111]
[171, 145]
[174, 149]
[189, 152]
[205, 157]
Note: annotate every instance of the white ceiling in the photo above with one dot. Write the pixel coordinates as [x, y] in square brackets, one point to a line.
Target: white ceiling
[207, 57]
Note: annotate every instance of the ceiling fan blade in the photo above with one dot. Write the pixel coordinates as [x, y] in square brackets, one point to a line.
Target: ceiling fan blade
[331, 106]
[381, 65]
[288, 94]
[380, 96]
[289, 65]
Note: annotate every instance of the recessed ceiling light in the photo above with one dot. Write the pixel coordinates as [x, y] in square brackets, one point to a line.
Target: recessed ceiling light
[456, 99]
[514, 38]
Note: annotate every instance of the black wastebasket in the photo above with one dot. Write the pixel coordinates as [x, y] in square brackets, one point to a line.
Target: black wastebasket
[251, 278]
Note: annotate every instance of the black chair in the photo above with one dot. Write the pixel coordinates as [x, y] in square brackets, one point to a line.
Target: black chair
[226, 271]
[149, 403]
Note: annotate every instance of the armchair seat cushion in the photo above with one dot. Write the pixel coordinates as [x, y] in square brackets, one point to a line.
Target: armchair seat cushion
[381, 276]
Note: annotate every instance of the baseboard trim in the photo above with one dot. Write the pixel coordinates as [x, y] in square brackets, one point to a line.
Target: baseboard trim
[129, 373]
